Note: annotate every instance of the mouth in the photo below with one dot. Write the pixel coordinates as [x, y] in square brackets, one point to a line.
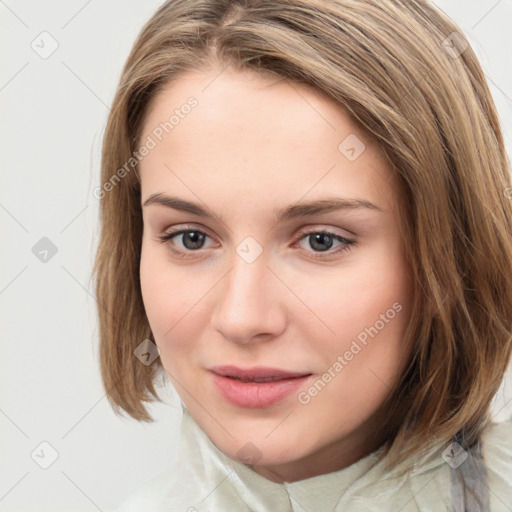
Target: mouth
[257, 374]
[256, 380]
[256, 387]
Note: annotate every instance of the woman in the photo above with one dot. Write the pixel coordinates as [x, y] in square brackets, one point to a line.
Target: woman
[306, 225]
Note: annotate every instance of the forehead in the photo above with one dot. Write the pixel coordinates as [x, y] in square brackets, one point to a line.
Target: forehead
[260, 139]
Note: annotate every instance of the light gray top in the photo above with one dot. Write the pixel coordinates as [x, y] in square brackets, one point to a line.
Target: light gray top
[202, 479]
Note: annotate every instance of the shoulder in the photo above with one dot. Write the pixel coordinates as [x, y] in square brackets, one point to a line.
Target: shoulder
[151, 493]
[196, 469]
[497, 451]
[497, 444]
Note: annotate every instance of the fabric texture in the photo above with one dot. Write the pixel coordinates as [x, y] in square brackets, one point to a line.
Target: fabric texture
[202, 479]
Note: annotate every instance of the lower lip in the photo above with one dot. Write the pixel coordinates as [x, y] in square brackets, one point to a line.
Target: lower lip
[256, 394]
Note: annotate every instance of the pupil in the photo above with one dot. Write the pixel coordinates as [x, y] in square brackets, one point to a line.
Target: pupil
[195, 237]
[321, 238]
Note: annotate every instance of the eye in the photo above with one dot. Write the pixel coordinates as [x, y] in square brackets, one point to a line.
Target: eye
[192, 240]
[322, 241]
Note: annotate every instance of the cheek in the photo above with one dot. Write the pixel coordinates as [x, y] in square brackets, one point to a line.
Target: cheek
[364, 310]
[165, 297]
[153, 284]
[175, 298]
[362, 361]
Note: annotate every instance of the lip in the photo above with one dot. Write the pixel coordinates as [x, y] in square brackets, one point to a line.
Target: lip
[256, 372]
[255, 395]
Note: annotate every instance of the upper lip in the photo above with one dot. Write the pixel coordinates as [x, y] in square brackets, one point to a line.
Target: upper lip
[256, 372]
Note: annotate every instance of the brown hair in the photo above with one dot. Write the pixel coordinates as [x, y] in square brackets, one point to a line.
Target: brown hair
[407, 76]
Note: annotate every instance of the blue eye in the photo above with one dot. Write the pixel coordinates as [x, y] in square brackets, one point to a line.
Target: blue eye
[193, 239]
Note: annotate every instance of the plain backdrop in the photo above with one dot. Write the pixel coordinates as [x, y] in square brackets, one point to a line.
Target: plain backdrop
[53, 409]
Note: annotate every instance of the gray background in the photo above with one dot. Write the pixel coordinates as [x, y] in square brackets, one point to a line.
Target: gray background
[53, 117]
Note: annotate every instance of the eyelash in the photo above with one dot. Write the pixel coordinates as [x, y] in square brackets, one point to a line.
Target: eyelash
[166, 238]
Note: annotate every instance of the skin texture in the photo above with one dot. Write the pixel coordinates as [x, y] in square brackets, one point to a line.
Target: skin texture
[249, 146]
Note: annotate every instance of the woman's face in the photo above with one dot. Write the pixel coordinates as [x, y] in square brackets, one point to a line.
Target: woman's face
[250, 286]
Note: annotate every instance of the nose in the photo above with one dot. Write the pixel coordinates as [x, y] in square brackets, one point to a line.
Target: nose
[249, 306]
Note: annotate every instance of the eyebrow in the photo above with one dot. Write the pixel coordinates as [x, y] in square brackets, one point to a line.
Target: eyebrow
[326, 205]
